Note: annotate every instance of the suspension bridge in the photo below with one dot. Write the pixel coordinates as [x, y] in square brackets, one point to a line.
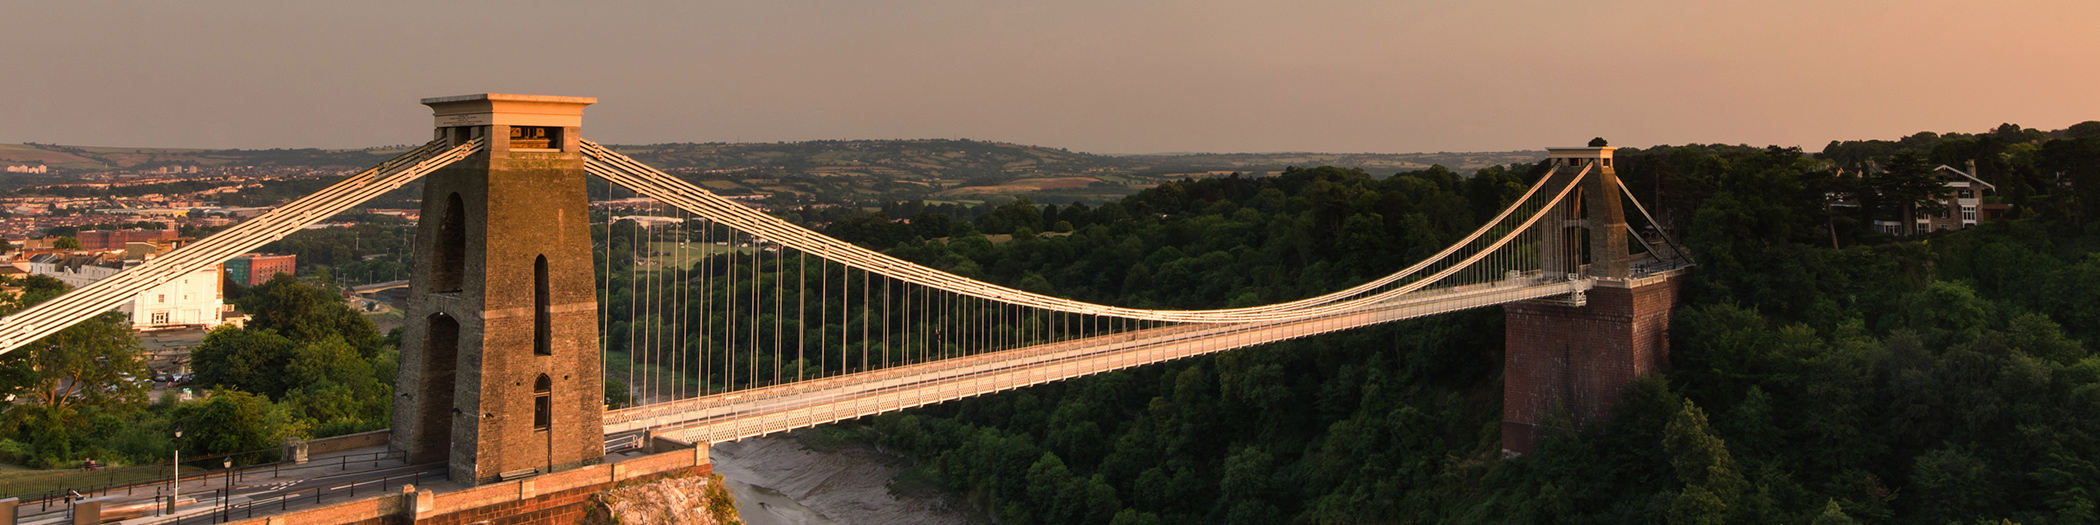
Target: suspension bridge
[741, 324]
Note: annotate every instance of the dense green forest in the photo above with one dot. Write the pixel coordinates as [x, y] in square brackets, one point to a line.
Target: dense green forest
[1822, 373]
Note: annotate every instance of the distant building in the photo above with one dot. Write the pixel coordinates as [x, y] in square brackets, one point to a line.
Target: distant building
[44, 243]
[1967, 202]
[411, 215]
[196, 299]
[116, 239]
[257, 268]
[29, 169]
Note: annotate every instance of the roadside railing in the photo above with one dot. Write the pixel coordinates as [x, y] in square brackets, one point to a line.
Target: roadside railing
[225, 510]
[56, 492]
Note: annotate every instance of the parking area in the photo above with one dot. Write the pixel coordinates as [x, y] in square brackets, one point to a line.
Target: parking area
[167, 355]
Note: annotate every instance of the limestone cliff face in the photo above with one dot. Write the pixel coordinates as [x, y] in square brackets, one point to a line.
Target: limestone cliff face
[673, 501]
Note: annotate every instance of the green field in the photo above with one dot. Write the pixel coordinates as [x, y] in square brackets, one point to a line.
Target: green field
[29, 483]
[670, 255]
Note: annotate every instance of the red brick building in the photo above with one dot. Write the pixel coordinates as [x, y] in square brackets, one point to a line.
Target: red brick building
[115, 239]
[257, 268]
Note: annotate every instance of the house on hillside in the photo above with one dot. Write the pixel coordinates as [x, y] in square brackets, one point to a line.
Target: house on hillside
[1967, 201]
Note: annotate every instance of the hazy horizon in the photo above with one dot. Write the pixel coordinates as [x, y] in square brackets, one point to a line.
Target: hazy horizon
[1118, 78]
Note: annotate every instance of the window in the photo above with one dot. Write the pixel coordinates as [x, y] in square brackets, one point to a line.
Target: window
[542, 315]
[160, 318]
[542, 403]
[162, 299]
[531, 138]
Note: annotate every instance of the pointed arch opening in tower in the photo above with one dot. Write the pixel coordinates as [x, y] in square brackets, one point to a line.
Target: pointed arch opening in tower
[448, 267]
[439, 381]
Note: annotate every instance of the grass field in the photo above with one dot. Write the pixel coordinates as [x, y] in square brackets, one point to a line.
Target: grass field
[675, 256]
[19, 154]
[29, 483]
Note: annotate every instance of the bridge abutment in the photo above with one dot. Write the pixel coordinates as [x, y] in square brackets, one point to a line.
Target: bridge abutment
[1576, 359]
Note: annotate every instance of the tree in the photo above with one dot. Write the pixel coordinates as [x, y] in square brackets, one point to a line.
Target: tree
[1713, 489]
[307, 313]
[1599, 142]
[234, 421]
[1832, 515]
[249, 360]
[66, 243]
[2075, 162]
[330, 360]
[2090, 128]
[1955, 485]
[94, 362]
[1908, 184]
[337, 388]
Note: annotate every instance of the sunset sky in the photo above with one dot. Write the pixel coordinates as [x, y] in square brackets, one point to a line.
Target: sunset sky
[1108, 76]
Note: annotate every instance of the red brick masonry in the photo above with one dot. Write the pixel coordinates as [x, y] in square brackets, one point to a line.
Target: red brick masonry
[1580, 358]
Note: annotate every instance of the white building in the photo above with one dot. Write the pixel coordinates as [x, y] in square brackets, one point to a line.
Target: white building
[197, 299]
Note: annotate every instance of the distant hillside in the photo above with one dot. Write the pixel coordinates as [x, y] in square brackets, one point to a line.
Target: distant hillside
[96, 158]
[1375, 163]
[823, 171]
[973, 171]
[969, 159]
[936, 158]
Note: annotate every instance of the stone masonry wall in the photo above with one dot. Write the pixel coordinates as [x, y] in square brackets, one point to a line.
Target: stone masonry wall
[1578, 358]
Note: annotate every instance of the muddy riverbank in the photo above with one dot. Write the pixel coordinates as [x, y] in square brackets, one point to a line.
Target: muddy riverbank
[810, 477]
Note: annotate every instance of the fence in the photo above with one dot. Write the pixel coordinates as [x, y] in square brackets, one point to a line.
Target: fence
[226, 511]
[55, 492]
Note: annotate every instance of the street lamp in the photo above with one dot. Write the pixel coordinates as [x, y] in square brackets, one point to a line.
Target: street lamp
[175, 482]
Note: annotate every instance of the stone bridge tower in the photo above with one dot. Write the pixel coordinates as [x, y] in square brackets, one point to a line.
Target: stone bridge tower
[1575, 354]
[499, 357]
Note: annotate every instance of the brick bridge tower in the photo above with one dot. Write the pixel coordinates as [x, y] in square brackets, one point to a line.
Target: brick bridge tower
[499, 358]
[1574, 354]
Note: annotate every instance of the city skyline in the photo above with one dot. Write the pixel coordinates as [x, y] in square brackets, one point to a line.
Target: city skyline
[1100, 77]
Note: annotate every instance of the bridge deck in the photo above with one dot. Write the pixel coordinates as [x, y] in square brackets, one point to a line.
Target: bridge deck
[760, 411]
